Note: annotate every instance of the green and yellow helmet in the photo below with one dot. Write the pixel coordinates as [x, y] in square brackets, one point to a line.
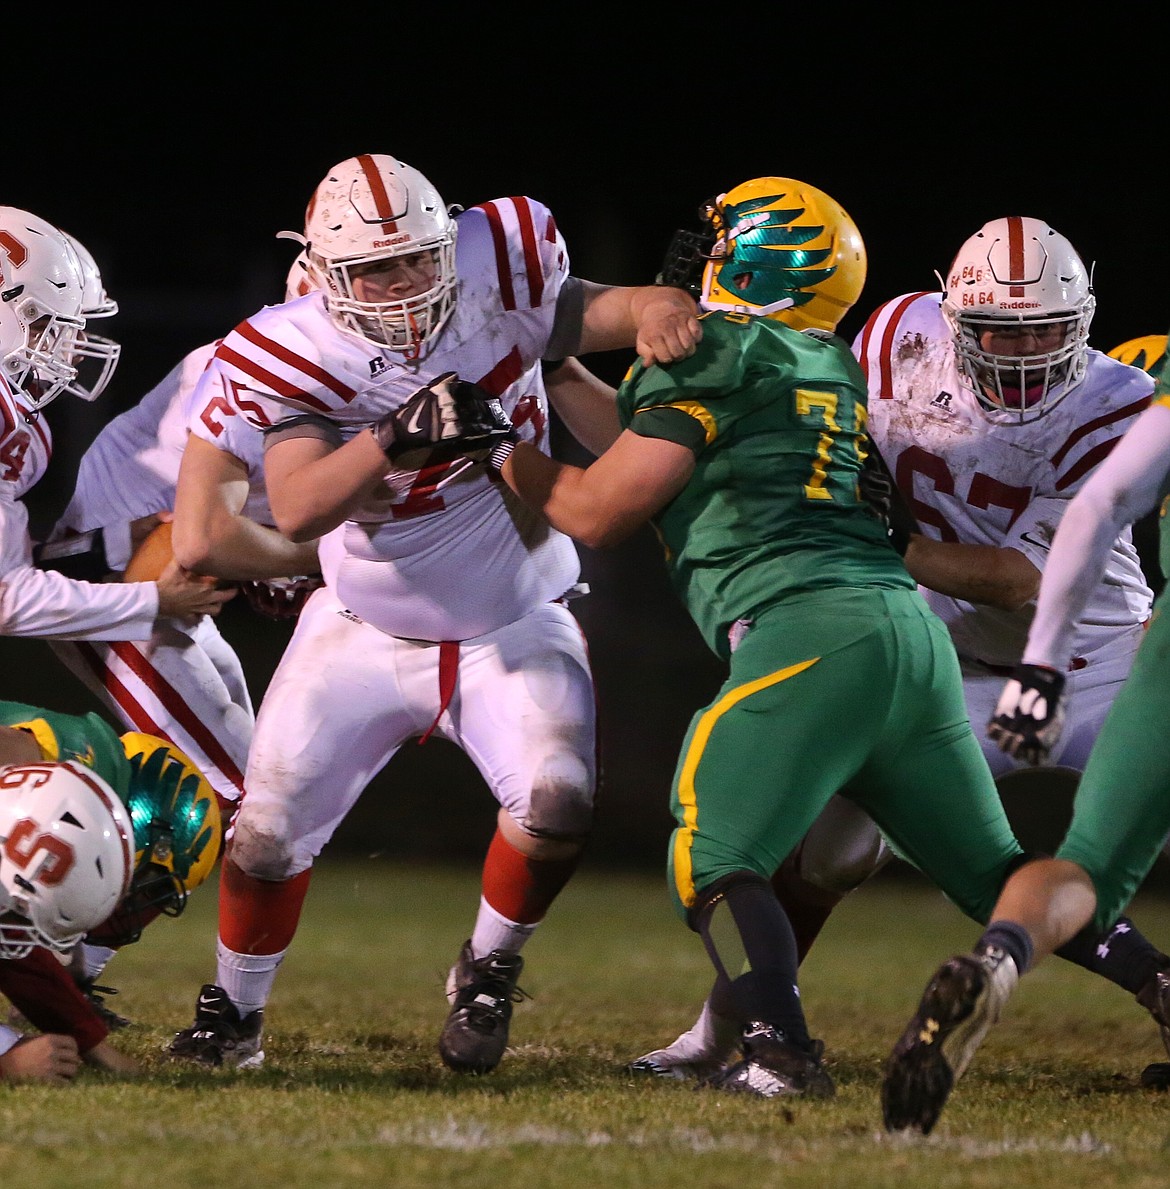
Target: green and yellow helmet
[1147, 352]
[784, 250]
[177, 836]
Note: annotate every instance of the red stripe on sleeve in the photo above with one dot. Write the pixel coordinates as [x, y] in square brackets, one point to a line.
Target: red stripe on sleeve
[500, 242]
[531, 253]
[1130, 410]
[305, 366]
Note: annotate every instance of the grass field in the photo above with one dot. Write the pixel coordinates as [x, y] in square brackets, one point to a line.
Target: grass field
[353, 1092]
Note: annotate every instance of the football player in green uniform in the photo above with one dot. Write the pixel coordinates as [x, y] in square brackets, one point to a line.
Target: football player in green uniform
[748, 458]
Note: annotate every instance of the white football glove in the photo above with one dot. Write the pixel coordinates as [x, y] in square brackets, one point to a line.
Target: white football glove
[1029, 717]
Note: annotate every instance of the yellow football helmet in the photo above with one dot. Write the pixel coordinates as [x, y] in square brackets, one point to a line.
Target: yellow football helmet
[1147, 352]
[783, 250]
[178, 833]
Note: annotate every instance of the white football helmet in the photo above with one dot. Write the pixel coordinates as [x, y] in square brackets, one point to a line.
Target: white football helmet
[96, 356]
[1019, 273]
[41, 319]
[370, 208]
[66, 855]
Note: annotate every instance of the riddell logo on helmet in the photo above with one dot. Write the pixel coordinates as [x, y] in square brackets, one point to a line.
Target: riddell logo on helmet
[1019, 305]
[387, 243]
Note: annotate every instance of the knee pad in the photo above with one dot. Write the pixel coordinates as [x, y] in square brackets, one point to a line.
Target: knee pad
[260, 848]
[560, 805]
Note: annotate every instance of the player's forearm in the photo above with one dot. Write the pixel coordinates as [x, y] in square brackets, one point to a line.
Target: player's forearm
[239, 549]
[311, 499]
[1002, 578]
[567, 495]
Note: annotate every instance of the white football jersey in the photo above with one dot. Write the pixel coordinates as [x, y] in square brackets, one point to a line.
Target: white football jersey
[42, 603]
[131, 468]
[982, 478]
[449, 554]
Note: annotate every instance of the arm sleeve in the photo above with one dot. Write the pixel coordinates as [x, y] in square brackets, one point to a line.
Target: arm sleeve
[46, 995]
[48, 605]
[1125, 487]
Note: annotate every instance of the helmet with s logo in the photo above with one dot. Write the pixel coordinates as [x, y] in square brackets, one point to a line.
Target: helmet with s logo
[66, 855]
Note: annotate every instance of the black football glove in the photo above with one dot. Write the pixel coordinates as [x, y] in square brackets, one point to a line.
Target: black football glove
[879, 491]
[1029, 717]
[448, 413]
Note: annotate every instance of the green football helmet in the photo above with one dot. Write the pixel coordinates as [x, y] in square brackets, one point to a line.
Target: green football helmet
[178, 834]
[776, 248]
[1147, 352]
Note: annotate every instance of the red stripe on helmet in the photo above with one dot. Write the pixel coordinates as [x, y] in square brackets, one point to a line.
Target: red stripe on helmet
[378, 189]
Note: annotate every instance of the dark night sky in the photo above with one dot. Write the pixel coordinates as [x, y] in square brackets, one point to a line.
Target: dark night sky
[176, 163]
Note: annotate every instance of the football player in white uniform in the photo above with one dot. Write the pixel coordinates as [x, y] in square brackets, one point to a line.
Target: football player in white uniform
[990, 410]
[183, 683]
[444, 608]
[41, 324]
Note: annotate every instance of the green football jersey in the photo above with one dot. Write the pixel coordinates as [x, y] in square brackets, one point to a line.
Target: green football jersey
[777, 421]
[85, 737]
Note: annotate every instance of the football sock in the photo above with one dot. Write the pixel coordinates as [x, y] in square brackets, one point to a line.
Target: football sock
[744, 928]
[495, 932]
[259, 916]
[519, 887]
[1122, 954]
[94, 959]
[1012, 939]
[247, 978]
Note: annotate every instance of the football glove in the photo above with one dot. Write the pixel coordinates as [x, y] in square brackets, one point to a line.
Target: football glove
[280, 598]
[1029, 717]
[448, 413]
[879, 491]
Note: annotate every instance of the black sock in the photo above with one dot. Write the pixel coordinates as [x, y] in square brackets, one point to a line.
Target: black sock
[1122, 954]
[744, 927]
[1013, 939]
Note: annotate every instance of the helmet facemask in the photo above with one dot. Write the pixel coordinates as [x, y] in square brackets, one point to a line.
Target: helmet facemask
[402, 324]
[177, 836]
[43, 368]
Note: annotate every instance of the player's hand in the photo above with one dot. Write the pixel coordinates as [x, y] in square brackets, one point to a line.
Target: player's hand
[49, 1058]
[668, 327]
[878, 490]
[104, 1056]
[184, 595]
[448, 412]
[280, 598]
[1029, 717]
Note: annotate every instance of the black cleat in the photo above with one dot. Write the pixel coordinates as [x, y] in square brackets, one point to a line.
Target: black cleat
[774, 1067]
[1155, 998]
[481, 992]
[957, 1009]
[218, 1036]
